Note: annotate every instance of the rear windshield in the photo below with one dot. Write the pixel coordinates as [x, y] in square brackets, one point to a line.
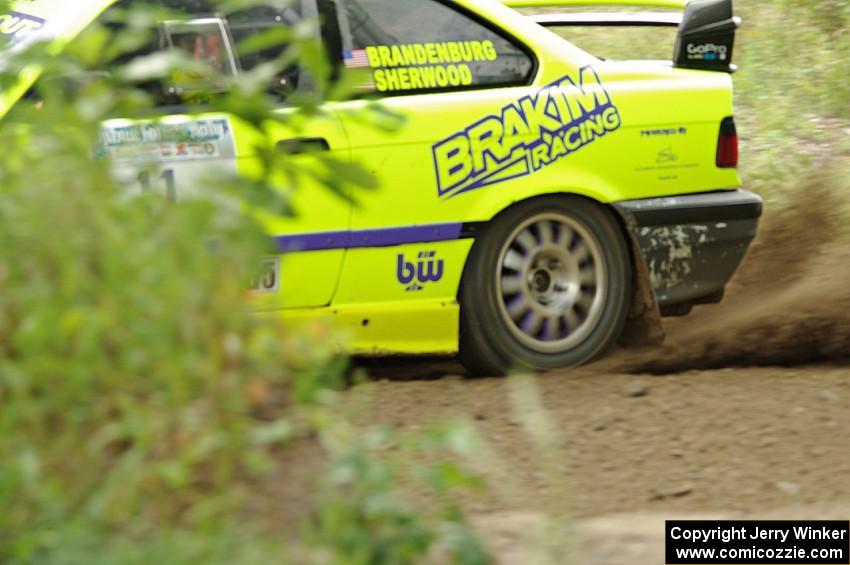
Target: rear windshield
[616, 42]
[631, 42]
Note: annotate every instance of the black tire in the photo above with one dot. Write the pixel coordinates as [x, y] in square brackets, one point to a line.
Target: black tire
[584, 302]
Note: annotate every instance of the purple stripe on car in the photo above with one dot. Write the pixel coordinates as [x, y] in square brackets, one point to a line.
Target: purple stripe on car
[361, 239]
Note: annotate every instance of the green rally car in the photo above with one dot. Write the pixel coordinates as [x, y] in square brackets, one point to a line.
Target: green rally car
[536, 203]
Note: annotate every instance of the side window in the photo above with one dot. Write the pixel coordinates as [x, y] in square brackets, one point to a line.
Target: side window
[206, 41]
[260, 24]
[225, 43]
[404, 46]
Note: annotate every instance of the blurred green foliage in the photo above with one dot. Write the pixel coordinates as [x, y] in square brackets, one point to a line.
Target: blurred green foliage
[128, 350]
[141, 397]
[127, 347]
[363, 519]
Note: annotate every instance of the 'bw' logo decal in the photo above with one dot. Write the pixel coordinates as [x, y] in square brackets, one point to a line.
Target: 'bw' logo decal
[426, 269]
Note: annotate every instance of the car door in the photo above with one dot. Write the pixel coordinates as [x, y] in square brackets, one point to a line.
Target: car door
[435, 68]
[177, 154]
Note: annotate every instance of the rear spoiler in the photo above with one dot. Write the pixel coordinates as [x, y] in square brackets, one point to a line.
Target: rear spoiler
[706, 36]
[573, 3]
[609, 19]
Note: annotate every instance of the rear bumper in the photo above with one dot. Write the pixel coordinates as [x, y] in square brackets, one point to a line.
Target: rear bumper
[692, 244]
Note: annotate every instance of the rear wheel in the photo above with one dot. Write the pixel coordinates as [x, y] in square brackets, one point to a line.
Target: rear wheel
[547, 286]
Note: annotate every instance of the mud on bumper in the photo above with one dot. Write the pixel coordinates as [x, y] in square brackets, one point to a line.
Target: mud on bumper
[693, 244]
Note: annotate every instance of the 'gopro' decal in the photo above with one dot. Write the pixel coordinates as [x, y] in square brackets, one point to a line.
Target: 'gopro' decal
[527, 135]
[707, 52]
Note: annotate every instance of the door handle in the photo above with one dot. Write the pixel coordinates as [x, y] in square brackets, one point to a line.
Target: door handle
[302, 145]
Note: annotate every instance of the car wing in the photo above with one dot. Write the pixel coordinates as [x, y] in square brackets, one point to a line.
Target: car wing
[608, 19]
[680, 4]
[705, 39]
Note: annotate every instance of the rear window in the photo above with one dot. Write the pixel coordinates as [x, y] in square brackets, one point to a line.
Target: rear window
[654, 43]
[616, 42]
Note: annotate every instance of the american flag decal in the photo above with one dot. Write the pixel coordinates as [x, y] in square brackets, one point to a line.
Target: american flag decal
[356, 59]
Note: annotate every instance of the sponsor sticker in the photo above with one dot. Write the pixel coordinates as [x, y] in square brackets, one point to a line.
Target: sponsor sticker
[664, 132]
[417, 273]
[707, 52]
[527, 135]
[210, 138]
[175, 158]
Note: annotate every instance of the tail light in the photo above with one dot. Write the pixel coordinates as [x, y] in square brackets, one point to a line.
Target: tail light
[727, 145]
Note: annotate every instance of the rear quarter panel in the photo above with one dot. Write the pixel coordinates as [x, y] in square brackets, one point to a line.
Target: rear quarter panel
[665, 142]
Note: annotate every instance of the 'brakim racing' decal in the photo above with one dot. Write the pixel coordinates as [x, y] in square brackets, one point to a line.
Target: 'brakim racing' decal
[529, 134]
